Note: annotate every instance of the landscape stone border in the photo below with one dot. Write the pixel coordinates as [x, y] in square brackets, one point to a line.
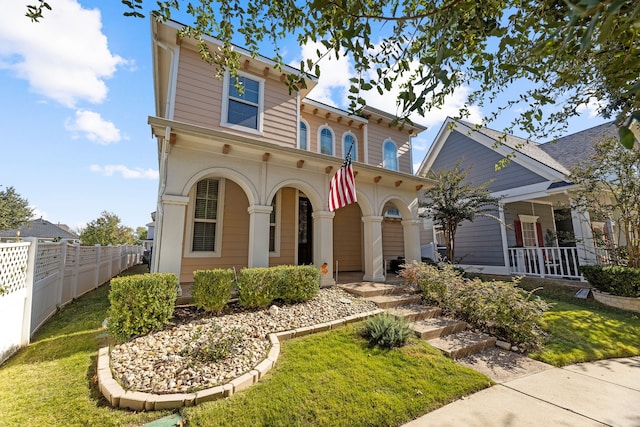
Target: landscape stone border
[118, 397]
[625, 303]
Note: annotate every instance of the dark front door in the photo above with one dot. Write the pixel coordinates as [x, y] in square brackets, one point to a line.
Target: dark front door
[305, 232]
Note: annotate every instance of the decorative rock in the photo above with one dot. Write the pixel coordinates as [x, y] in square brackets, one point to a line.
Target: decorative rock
[273, 310]
[345, 300]
[515, 348]
[503, 345]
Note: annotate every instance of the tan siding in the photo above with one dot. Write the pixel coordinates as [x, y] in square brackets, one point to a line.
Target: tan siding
[347, 238]
[235, 236]
[392, 239]
[339, 129]
[199, 101]
[288, 228]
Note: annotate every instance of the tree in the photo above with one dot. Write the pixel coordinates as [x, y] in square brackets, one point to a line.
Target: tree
[452, 201]
[572, 52]
[107, 230]
[14, 209]
[141, 233]
[609, 183]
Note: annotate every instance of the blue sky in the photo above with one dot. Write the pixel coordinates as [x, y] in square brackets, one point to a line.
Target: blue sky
[75, 93]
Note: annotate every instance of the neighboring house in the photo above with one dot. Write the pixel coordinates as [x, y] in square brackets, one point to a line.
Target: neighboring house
[244, 177]
[535, 211]
[42, 229]
[151, 228]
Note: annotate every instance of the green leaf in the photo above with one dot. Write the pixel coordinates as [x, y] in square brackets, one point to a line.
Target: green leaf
[627, 138]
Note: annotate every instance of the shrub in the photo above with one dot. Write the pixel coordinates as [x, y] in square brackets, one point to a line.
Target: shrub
[141, 303]
[386, 330]
[215, 345]
[212, 288]
[257, 287]
[616, 280]
[298, 283]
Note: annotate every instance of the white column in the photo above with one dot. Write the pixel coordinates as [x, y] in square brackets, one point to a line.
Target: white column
[61, 269]
[373, 261]
[584, 237]
[503, 236]
[259, 235]
[323, 245]
[169, 249]
[411, 232]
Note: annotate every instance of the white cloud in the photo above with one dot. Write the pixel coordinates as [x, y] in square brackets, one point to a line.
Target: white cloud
[39, 213]
[592, 108]
[125, 172]
[93, 127]
[64, 57]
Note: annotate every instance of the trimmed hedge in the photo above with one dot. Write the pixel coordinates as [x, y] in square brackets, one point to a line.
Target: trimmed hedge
[212, 288]
[616, 280]
[259, 287]
[498, 308]
[141, 303]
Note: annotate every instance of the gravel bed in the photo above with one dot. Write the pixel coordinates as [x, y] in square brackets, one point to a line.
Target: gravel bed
[179, 359]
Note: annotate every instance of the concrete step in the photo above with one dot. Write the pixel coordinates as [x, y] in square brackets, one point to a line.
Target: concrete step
[392, 301]
[463, 343]
[428, 329]
[373, 289]
[415, 312]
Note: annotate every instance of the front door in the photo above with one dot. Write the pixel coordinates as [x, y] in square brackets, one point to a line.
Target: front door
[305, 232]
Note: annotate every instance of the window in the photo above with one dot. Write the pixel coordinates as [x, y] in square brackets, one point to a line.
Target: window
[302, 143]
[390, 159]
[326, 141]
[528, 231]
[349, 141]
[205, 215]
[392, 212]
[243, 107]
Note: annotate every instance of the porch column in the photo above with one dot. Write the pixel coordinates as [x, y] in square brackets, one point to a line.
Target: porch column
[170, 247]
[584, 237]
[373, 261]
[259, 235]
[411, 232]
[323, 245]
[503, 237]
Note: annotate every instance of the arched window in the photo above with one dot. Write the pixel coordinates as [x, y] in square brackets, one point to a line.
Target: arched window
[302, 143]
[390, 160]
[326, 141]
[348, 141]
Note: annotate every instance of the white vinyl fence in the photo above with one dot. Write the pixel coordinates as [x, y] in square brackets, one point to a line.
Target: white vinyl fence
[36, 279]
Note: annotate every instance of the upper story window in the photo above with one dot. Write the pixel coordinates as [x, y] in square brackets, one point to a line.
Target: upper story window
[243, 102]
[303, 143]
[326, 141]
[390, 153]
[349, 142]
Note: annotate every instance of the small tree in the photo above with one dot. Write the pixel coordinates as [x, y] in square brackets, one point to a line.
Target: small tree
[107, 230]
[453, 201]
[141, 233]
[609, 182]
[14, 209]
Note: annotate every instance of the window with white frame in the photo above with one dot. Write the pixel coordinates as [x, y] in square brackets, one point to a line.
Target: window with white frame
[205, 215]
[390, 155]
[349, 142]
[326, 141]
[242, 105]
[303, 142]
[529, 230]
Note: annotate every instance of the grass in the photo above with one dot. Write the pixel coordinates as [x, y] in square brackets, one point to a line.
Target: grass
[336, 378]
[51, 382]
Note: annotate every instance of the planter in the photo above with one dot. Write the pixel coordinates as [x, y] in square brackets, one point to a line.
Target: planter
[625, 303]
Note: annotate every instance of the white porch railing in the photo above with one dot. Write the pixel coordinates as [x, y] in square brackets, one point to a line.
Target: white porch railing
[545, 262]
[39, 278]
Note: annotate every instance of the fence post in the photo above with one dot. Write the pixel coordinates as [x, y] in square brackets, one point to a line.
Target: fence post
[76, 271]
[28, 301]
[61, 268]
[97, 279]
[541, 264]
[110, 251]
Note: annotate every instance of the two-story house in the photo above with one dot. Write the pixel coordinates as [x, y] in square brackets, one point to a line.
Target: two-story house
[244, 175]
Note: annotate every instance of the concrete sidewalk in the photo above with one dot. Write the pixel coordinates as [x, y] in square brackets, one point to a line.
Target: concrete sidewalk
[602, 393]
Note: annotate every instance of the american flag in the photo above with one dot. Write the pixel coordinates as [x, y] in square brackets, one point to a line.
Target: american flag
[342, 189]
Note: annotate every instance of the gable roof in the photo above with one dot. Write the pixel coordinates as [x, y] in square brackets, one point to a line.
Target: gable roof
[42, 229]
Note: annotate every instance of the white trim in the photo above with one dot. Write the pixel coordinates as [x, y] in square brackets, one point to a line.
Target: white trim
[188, 252]
[333, 139]
[329, 108]
[278, 225]
[355, 145]
[384, 143]
[306, 123]
[224, 117]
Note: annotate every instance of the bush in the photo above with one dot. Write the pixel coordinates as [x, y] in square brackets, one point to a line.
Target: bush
[212, 288]
[257, 287]
[386, 330]
[214, 345]
[616, 280]
[141, 303]
[298, 283]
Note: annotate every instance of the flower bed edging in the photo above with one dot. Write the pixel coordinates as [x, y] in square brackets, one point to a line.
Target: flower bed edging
[625, 303]
[118, 397]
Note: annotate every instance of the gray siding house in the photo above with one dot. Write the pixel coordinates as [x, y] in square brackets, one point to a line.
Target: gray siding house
[539, 234]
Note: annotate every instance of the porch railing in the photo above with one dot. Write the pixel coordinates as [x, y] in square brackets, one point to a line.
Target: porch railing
[545, 262]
